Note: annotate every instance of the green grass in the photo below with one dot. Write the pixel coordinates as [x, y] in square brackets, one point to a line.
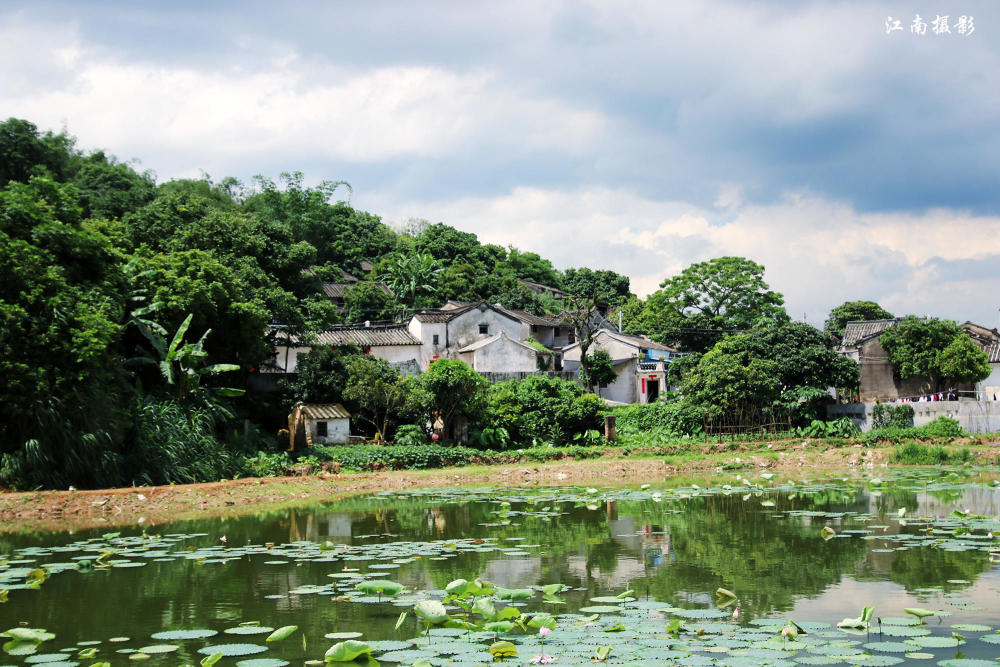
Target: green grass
[915, 453]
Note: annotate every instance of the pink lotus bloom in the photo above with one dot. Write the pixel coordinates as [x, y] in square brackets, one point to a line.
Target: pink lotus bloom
[543, 659]
[544, 631]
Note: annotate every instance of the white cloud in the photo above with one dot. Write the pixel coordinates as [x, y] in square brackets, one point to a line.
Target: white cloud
[181, 117]
[818, 253]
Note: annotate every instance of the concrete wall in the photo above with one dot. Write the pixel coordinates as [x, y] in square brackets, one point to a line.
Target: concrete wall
[974, 416]
[990, 387]
[338, 431]
[503, 355]
[425, 332]
[878, 382]
[394, 354]
[464, 329]
[504, 376]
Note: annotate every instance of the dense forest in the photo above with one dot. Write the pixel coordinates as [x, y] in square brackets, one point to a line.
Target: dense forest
[134, 312]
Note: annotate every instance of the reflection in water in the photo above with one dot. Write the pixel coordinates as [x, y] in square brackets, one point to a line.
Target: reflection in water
[677, 552]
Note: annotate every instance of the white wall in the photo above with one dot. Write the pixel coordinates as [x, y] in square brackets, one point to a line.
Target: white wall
[502, 356]
[391, 353]
[464, 329]
[338, 431]
[974, 416]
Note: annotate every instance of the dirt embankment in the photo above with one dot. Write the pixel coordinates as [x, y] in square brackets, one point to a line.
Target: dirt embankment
[61, 510]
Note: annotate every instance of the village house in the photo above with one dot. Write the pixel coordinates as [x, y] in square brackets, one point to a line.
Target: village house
[312, 423]
[879, 382]
[335, 291]
[394, 343]
[500, 354]
[639, 363]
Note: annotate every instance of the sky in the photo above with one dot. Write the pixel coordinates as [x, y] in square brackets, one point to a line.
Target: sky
[852, 159]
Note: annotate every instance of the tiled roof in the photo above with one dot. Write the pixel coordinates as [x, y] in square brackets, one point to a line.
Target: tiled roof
[993, 352]
[538, 287]
[376, 336]
[336, 290]
[638, 341]
[856, 333]
[324, 411]
[529, 318]
[439, 315]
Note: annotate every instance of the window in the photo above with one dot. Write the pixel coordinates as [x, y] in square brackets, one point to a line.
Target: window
[556, 332]
[321, 429]
[484, 328]
[436, 339]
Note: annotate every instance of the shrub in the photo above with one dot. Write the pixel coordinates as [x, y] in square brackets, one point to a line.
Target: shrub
[665, 418]
[885, 415]
[942, 427]
[177, 444]
[266, 464]
[542, 409]
[918, 454]
[839, 428]
[410, 435]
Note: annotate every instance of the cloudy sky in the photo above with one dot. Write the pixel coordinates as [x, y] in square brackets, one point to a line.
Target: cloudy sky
[852, 161]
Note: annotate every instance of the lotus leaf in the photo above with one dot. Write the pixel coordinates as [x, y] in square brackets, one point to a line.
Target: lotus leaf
[501, 650]
[432, 611]
[346, 651]
[281, 633]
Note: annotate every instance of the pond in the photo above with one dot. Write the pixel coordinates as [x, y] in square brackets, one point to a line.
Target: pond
[754, 569]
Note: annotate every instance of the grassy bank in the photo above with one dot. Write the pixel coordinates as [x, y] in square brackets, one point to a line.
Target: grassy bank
[612, 466]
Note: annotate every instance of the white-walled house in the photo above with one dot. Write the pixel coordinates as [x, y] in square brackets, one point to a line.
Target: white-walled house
[394, 343]
[443, 332]
[639, 363]
[500, 354]
[319, 423]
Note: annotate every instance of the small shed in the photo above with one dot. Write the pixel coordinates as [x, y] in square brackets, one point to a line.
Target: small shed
[319, 423]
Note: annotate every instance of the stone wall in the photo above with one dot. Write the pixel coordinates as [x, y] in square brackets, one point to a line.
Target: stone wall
[974, 416]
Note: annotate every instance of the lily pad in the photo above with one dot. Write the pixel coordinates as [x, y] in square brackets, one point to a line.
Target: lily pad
[233, 650]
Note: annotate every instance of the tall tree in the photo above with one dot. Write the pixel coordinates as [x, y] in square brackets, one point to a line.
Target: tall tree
[382, 396]
[853, 311]
[454, 390]
[935, 349]
[710, 300]
[609, 289]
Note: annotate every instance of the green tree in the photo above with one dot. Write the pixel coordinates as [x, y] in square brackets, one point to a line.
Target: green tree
[25, 152]
[585, 320]
[600, 371]
[805, 364]
[853, 311]
[934, 349]
[61, 313]
[341, 234]
[710, 300]
[608, 288]
[369, 301]
[963, 361]
[454, 391]
[382, 396]
[110, 189]
[183, 365]
[321, 375]
[735, 386]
